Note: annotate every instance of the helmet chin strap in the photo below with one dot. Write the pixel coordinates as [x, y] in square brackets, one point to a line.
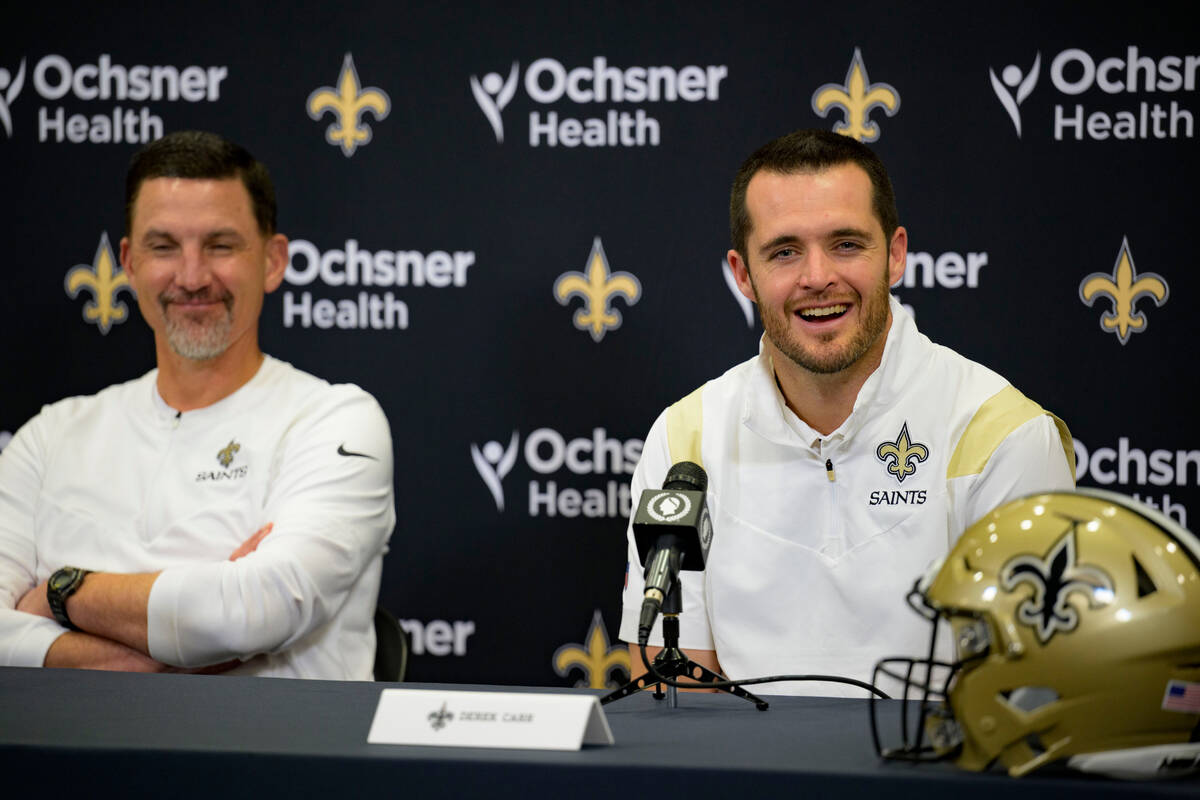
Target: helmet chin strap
[1142, 763]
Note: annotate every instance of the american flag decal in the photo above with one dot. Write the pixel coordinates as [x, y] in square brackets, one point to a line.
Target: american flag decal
[1182, 696]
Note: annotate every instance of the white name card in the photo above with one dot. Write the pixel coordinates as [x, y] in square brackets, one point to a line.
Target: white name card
[489, 719]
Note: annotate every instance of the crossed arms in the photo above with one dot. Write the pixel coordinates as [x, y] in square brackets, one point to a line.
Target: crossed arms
[111, 611]
[165, 594]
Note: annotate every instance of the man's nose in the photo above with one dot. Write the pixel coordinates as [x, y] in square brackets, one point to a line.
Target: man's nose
[818, 271]
[194, 271]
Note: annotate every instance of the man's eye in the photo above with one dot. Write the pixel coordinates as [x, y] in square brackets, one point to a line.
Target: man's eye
[848, 246]
[786, 252]
[162, 249]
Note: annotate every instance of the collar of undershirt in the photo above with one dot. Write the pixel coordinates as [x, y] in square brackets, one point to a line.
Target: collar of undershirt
[165, 415]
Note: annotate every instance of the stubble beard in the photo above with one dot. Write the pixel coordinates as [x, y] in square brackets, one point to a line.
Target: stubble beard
[197, 339]
[825, 361]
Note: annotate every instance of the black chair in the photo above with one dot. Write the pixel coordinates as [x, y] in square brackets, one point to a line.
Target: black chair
[391, 647]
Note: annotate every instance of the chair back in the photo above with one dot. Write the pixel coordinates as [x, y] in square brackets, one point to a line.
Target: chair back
[391, 647]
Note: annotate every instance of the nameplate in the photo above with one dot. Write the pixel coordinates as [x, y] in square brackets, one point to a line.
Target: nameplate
[514, 720]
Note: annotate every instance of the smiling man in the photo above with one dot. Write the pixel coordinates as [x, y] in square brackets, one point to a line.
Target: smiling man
[225, 511]
[850, 452]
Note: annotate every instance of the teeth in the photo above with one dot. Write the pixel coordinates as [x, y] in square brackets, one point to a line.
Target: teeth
[823, 312]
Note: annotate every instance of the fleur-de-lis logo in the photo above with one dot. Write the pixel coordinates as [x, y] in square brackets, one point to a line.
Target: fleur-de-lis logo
[598, 660]
[226, 453]
[348, 103]
[857, 97]
[104, 279]
[1124, 287]
[900, 454]
[1053, 579]
[597, 288]
[438, 719]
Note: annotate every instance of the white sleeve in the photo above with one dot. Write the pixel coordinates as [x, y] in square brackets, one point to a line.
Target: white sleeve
[1031, 459]
[332, 517]
[24, 638]
[694, 631]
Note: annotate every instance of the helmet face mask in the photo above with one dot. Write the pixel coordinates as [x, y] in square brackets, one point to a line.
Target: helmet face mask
[929, 729]
[1069, 614]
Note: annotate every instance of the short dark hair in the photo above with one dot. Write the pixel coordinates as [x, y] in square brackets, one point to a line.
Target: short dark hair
[810, 151]
[201, 155]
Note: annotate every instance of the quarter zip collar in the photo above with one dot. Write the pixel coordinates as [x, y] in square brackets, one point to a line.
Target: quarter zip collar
[765, 412]
[166, 416]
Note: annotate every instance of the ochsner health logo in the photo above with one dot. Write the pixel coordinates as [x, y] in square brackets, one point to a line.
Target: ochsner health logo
[116, 101]
[10, 87]
[584, 459]
[1123, 93]
[494, 94]
[548, 81]
[1012, 79]
[493, 462]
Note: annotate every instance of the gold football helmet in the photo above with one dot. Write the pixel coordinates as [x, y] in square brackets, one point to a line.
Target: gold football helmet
[1075, 619]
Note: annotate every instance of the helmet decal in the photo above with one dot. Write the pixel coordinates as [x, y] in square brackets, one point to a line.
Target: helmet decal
[1053, 578]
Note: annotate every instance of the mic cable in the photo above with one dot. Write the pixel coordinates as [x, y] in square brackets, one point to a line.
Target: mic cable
[726, 684]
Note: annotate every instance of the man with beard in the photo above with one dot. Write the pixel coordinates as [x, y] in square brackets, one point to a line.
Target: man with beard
[849, 453]
[224, 512]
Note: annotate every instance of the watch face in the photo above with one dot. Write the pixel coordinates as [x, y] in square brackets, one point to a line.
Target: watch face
[65, 579]
[62, 579]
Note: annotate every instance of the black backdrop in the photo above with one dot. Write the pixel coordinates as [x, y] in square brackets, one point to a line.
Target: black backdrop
[492, 595]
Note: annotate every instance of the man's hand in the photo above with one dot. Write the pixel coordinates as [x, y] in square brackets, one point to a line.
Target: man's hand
[79, 650]
[34, 602]
[250, 545]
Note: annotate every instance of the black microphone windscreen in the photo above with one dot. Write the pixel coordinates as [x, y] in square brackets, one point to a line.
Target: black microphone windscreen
[686, 475]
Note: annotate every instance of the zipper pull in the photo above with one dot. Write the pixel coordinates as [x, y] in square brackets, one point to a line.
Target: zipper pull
[829, 470]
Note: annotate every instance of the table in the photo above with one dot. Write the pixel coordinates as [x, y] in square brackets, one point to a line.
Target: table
[225, 736]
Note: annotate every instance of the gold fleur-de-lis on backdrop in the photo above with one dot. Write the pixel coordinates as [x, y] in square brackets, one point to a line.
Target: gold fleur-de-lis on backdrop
[348, 103]
[597, 288]
[1124, 287]
[104, 279]
[597, 660]
[899, 454]
[857, 97]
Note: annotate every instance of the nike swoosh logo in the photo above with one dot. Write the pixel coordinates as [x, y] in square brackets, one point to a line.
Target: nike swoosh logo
[342, 451]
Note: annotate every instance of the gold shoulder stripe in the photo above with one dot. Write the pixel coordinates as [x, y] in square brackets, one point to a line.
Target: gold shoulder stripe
[685, 419]
[1000, 415]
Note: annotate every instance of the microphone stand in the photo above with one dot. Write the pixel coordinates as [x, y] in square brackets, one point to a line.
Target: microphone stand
[671, 662]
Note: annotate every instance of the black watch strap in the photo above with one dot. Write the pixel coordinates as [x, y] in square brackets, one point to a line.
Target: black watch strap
[62, 584]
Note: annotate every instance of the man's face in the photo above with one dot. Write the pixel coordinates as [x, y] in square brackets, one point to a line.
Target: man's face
[818, 266]
[199, 263]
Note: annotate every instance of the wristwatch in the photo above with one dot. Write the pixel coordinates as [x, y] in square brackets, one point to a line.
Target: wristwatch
[64, 583]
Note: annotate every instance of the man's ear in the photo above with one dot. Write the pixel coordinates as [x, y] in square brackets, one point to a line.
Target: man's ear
[897, 256]
[125, 256]
[277, 261]
[741, 274]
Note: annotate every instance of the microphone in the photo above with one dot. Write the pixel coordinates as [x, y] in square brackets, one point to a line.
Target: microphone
[673, 531]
